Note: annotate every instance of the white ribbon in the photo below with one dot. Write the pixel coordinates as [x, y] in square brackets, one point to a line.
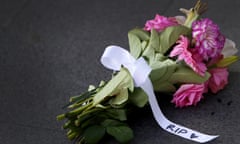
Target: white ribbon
[114, 57]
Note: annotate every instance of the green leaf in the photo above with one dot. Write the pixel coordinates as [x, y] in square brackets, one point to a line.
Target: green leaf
[111, 122]
[186, 75]
[94, 134]
[122, 80]
[123, 134]
[227, 61]
[153, 45]
[162, 70]
[158, 70]
[161, 73]
[72, 135]
[76, 111]
[171, 68]
[138, 97]
[144, 45]
[159, 57]
[140, 33]
[135, 45]
[154, 40]
[119, 114]
[81, 98]
[61, 117]
[149, 52]
[120, 98]
[170, 35]
[163, 87]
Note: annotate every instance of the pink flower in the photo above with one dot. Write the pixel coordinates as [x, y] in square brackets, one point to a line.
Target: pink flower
[218, 79]
[159, 23]
[188, 94]
[215, 60]
[209, 40]
[190, 57]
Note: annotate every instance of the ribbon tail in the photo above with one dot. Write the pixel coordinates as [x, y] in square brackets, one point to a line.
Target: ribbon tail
[168, 125]
[114, 57]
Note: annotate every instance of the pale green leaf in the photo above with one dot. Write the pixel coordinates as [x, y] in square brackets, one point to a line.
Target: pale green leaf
[227, 61]
[160, 57]
[135, 45]
[140, 33]
[120, 98]
[154, 40]
[144, 45]
[123, 134]
[158, 70]
[149, 52]
[186, 75]
[122, 80]
[162, 70]
[170, 35]
[138, 97]
[171, 68]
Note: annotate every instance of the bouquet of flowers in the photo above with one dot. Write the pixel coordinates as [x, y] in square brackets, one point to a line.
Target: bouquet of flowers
[184, 56]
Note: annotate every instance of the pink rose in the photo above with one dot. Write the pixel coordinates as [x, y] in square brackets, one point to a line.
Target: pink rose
[188, 94]
[159, 23]
[218, 79]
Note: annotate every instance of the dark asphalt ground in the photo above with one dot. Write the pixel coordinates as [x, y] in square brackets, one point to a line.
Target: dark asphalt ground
[50, 50]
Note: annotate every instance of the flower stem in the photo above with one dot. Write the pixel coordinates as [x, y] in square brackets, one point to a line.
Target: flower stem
[194, 13]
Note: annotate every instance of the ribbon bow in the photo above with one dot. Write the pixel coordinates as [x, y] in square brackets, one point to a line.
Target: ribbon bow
[114, 57]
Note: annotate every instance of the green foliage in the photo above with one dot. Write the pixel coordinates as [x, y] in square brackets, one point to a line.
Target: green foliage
[135, 45]
[140, 33]
[137, 41]
[138, 97]
[184, 74]
[148, 52]
[93, 134]
[112, 122]
[169, 37]
[120, 98]
[119, 130]
[121, 81]
[119, 114]
[164, 87]
[123, 134]
[161, 72]
[154, 40]
[103, 109]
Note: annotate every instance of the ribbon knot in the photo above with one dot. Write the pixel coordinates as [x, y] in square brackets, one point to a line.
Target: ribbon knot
[114, 57]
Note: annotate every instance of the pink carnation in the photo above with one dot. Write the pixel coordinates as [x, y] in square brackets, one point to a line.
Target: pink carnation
[209, 40]
[218, 79]
[159, 23]
[191, 58]
[188, 94]
[214, 60]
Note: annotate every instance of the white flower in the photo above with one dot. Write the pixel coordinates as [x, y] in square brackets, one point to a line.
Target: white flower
[229, 48]
[180, 19]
